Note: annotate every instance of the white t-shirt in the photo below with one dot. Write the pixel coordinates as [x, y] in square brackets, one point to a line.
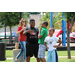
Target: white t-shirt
[51, 41]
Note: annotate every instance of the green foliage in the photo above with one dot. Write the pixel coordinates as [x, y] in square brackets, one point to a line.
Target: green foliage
[28, 13]
[56, 18]
[57, 21]
[69, 16]
[33, 12]
[46, 17]
[25, 15]
[9, 18]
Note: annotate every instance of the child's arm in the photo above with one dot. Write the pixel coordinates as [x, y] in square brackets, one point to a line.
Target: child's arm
[39, 30]
[46, 45]
[58, 44]
[27, 31]
[39, 36]
[18, 32]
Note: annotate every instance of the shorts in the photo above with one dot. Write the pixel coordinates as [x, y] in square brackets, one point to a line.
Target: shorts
[31, 49]
[41, 51]
[52, 56]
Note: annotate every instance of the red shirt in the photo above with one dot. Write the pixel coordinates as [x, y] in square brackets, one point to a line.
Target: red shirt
[21, 36]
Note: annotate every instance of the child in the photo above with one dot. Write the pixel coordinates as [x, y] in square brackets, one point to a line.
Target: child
[51, 46]
[31, 41]
[43, 33]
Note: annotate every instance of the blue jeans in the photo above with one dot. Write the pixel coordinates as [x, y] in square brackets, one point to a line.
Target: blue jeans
[23, 50]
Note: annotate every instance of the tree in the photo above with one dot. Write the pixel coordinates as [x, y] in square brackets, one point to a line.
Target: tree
[34, 12]
[57, 22]
[70, 20]
[9, 19]
[46, 17]
[25, 15]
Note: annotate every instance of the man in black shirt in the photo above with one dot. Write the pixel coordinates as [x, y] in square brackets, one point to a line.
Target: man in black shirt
[31, 41]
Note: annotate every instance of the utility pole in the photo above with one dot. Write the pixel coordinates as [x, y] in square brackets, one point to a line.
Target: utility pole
[64, 29]
[51, 19]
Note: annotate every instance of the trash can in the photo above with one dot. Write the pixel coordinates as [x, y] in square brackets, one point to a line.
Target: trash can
[2, 51]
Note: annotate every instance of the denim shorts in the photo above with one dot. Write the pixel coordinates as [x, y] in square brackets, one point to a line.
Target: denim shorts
[41, 51]
[52, 56]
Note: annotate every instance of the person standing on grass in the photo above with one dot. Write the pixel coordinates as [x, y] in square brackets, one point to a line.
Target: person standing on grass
[43, 33]
[50, 43]
[32, 41]
[22, 39]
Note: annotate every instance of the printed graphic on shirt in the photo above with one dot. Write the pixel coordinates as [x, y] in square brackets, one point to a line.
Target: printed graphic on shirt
[33, 34]
[51, 40]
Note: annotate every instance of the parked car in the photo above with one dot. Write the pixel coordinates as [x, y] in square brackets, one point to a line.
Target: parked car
[72, 36]
[60, 36]
[2, 36]
[14, 35]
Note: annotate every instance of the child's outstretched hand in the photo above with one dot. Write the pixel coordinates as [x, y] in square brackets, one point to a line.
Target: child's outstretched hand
[29, 31]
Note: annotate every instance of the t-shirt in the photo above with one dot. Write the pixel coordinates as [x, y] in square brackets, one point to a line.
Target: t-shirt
[33, 37]
[21, 36]
[51, 41]
[44, 33]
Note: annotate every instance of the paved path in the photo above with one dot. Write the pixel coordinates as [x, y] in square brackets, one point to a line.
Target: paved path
[46, 57]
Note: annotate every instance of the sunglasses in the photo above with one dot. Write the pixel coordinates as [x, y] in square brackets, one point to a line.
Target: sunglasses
[23, 21]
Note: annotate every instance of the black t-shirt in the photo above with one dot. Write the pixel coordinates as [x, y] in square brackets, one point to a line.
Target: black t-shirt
[33, 37]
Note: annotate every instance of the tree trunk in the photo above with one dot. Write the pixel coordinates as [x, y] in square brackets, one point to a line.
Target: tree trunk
[68, 41]
[10, 31]
[10, 34]
[5, 32]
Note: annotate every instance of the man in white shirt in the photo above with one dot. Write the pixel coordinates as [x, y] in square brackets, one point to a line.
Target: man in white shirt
[50, 43]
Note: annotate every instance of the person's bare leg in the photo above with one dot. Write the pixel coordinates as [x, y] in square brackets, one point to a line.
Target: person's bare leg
[24, 60]
[38, 59]
[28, 59]
[43, 60]
[16, 59]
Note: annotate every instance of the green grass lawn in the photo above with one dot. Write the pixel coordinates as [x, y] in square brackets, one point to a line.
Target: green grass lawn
[9, 54]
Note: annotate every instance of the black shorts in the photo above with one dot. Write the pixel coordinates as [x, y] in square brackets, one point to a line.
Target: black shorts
[31, 49]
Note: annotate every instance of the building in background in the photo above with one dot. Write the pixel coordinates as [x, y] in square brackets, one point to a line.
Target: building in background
[36, 18]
